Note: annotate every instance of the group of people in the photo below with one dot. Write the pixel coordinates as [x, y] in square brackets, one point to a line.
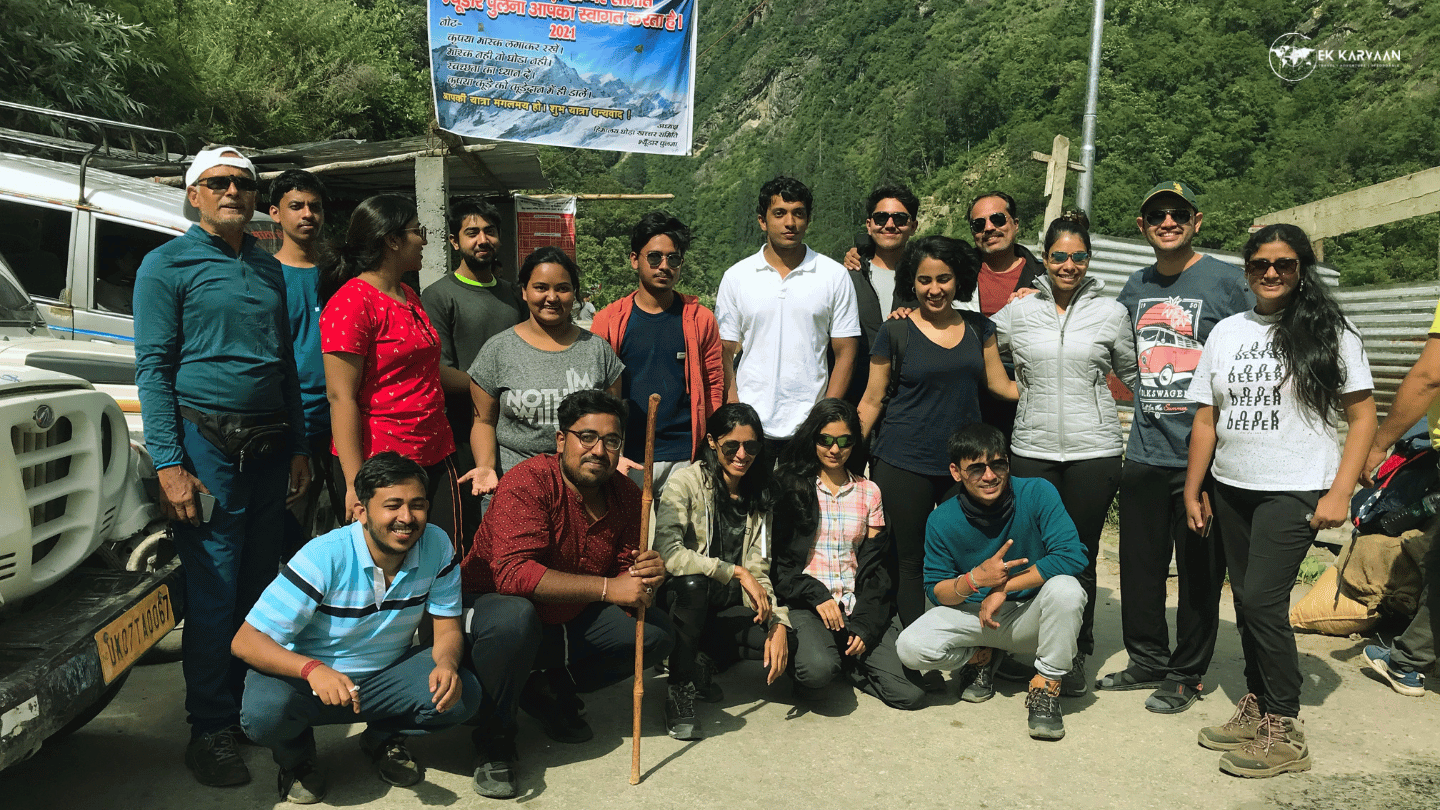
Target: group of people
[481, 447]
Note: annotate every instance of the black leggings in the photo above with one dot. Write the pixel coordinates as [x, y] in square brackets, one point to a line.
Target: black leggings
[909, 498]
[1266, 536]
[1087, 488]
[705, 615]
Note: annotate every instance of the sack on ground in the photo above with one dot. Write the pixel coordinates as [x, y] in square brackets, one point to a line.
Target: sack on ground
[1382, 572]
[1326, 609]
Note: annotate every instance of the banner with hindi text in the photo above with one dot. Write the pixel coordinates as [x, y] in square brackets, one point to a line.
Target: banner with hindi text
[598, 74]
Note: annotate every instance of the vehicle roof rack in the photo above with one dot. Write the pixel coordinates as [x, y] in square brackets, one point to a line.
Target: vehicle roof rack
[109, 143]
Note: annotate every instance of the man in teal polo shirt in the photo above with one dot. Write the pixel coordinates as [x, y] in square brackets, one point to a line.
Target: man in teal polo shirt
[330, 638]
[224, 426]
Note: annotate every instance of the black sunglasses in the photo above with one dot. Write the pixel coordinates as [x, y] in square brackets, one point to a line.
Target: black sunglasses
[1287, 266]
[752, 447]
[999, 466]
[1077, 256]
[824, 440]
[243, 182]
[1157, 216]
[654, 257]
[998, 219]
[881, 217]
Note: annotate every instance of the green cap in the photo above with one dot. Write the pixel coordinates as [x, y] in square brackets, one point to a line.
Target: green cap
[1179, 189]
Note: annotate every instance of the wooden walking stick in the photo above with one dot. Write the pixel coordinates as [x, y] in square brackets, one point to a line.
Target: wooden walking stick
[647, 497]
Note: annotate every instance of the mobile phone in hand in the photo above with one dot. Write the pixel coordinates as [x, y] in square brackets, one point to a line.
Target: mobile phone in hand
[207, 505]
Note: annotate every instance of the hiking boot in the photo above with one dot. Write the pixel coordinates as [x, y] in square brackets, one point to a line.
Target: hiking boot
[495, 758]
[559, 714]
[680, 721]
[706, 689]
[1075, 683]
[392, 761]
[1173, 697]
[1279, 747]
[303, 784]
[977, 678]
[1237, 731]
[215, 760]
[1043, 701]
[1401, 678]
[1013, 670]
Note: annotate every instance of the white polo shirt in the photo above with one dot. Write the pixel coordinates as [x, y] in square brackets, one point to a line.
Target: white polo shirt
[784, 327]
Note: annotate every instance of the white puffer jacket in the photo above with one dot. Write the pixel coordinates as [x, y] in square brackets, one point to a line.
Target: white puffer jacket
[1066, 411]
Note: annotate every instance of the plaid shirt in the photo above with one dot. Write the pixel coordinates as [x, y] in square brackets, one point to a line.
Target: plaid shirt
[845, 520]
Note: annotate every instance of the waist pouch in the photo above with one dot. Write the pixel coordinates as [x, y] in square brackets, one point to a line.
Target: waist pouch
[241, 437]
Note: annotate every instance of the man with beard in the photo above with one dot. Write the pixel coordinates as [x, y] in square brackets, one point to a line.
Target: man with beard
[557, 576]
[670, 346]
[216, 374]
[467, 308]
[330, 639]
[1173, 304]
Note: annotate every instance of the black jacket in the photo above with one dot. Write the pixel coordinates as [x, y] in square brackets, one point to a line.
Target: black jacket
[795, 523]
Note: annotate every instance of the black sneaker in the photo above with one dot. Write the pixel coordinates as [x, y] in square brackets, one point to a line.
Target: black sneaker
[215, 760]
[706, 689]
[1074, 683]
[392, 761]
[495, 758]
[977, 681]
[1043, 701]
[1013, 670]
[559, 716]
[680, 721]
[303, 784]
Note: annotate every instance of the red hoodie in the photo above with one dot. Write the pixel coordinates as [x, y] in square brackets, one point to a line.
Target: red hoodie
[704, 374]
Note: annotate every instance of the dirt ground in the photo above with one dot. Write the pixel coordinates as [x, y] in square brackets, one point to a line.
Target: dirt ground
[1371, 749]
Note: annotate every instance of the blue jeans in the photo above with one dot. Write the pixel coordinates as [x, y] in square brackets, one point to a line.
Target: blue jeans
[281, 713]
[227, 564]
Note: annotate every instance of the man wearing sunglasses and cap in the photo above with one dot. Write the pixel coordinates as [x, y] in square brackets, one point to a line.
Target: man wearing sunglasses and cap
[1173, 304]
[223, 422]
[670, 345]
[1001, 558]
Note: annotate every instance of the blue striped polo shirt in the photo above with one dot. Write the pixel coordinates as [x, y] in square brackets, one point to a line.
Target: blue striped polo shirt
[330, 602]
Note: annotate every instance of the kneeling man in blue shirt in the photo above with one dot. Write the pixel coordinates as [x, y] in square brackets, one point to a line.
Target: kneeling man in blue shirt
[330, 639]
[1000, 562]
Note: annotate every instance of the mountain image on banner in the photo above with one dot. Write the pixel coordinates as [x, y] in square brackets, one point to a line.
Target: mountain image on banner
[557, 83]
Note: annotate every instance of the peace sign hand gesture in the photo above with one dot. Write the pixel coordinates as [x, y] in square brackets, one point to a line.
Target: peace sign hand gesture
[996, 571]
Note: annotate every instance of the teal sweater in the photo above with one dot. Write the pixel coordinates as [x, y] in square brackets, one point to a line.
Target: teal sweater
[1042, 530]
[211, 333]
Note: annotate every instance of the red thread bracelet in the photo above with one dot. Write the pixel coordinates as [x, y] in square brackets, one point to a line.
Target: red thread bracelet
[969, 580]
[307, 669]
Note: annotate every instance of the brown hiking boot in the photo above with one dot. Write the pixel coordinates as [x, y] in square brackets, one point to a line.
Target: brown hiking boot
[1043, 701]
[1279, 747]
[1237, 731]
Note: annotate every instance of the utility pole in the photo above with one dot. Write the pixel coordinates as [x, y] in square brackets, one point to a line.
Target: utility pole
[1083, 193]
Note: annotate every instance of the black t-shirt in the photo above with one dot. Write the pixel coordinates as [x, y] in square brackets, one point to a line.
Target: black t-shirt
[653, 352]
[728, 541]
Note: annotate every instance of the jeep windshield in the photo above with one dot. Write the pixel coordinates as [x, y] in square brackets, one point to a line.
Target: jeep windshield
[15, 306]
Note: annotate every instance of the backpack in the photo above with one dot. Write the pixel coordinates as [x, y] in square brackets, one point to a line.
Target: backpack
[1398, 500]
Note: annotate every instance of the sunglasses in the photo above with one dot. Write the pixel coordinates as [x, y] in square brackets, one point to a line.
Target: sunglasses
[654, 257]
[1157, 216]
[243, 182]
[588, 438]
[881, 217]
[998, 219]
[834, 441]
[1078, 256]
[1287, 266]
[752, 447]
[975, 472]
[420, 229]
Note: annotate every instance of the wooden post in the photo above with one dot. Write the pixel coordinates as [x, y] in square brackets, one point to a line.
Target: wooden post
[1319, 247]
[1058, 163]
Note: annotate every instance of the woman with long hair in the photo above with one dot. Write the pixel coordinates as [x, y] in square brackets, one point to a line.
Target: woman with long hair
[520, 375]
[1064, 341]
[713, 528]
[382, 356]
[1271, 384]
[949, 356]
[830, 562]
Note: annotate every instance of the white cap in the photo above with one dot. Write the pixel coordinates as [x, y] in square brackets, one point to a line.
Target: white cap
[206, 160]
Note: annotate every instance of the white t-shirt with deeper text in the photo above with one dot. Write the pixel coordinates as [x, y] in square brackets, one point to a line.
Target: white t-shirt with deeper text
[1266, 440]
[784, 327]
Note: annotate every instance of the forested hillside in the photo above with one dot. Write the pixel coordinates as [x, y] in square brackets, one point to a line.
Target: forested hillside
[949, 97]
